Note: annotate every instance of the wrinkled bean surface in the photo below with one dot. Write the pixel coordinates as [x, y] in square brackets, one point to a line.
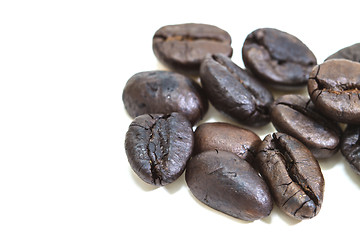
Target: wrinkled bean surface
[158, 147]
[334, 88]
[292, 174]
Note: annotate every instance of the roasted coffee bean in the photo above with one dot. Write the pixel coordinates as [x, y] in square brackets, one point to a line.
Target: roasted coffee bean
[164, 92]
[234, 91]
[292, 174]
[350, 146]
[228, 184]
[296, 115]
[158, 146]
[226, 137]
[278, 58]
[182, 47]
[351, 53]
[334, 88]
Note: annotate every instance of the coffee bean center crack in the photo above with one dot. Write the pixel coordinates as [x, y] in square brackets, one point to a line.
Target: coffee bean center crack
[292, 169]
[158, 147]
[254, 95]
[339, 88]
[279, 61]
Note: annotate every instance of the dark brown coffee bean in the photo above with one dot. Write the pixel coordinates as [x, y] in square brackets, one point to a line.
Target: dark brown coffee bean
[182, 47]
[292, 174]
[158, 146]
[350, 146]
[296, 115]
[351, 53]
[228, 184]
[164, 92]
[334, 88]
[234, 91]
[227, 137]
[278, 58]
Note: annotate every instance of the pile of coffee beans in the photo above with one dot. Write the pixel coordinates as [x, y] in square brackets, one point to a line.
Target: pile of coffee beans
[228, 167]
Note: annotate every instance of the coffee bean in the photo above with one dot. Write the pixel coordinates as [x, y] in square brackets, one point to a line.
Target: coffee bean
[351, 53]
[164, 92]
[182, 47]
[158, 146]
[292, 174]
[234, 91]
[350, 146]
[278, 58]
[296, 115]
[228, 184]
[334, 88]
[226, 137]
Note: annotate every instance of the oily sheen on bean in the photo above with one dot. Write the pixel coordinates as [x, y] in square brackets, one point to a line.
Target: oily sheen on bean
[234, 91]
[182, 47]
[164, 92]
[292, 174]
[226, 137]
[278, 58]
[334, 88]
[296, 115]
[158, 146]
[228, 184]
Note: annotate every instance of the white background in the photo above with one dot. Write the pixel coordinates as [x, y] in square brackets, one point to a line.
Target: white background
[63, 169]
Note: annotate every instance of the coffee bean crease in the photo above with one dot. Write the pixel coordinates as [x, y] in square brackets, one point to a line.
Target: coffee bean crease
[278, 59]
[293, 175]
[256, 98]
[158, 147]
[291, 165]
